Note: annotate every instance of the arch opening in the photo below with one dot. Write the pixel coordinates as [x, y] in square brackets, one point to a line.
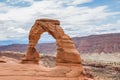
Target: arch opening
[46, 45]
[46, 38]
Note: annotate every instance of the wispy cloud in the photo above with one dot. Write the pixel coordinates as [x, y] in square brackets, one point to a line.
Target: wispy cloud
[15, 21]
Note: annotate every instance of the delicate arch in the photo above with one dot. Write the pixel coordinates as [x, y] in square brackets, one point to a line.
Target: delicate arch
[66, 50]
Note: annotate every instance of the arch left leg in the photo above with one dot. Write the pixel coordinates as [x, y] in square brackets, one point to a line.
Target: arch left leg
[32, 56]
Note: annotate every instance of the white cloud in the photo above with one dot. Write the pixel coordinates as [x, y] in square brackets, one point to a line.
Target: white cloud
[72, 2]
[18, 30]
[12, 2]
[76, 21]
[81, 1]
[12, 30]
[107, 28]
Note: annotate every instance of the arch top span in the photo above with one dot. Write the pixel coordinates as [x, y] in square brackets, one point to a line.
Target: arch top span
[55, 22]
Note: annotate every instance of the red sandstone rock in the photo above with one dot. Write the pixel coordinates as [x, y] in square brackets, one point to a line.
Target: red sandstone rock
[68, 60]
[66, 50]
[15, 71]
[12, 70]
[2, 61]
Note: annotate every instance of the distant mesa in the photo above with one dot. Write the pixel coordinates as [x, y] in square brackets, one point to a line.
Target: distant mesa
[104, 43]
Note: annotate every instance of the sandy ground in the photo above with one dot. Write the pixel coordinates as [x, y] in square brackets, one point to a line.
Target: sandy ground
[16, 71]
[11, 69]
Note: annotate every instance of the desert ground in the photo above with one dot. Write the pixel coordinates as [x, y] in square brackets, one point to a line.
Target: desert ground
[101, 67]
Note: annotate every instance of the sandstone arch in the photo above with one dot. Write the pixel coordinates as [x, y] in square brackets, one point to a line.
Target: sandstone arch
[67, 53]
[68, 60]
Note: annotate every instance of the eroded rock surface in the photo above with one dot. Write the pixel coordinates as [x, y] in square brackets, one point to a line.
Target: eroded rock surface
[66, 50]
[68, 61]
[13, 70]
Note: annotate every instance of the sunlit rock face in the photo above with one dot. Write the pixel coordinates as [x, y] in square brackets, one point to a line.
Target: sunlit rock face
[66, 50]
[68, 61]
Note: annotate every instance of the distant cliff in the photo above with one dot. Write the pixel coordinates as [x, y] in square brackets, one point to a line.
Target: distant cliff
[107, 43]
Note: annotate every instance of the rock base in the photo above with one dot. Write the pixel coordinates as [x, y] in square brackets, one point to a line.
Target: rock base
[17, 71]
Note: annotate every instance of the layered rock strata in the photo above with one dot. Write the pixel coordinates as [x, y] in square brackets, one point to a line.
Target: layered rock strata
[67, 54]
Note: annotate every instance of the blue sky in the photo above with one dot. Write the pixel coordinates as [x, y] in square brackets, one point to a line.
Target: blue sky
[78, 17]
